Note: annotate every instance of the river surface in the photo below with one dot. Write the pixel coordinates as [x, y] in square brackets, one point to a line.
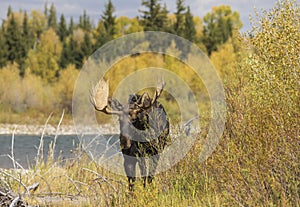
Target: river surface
[25, 147]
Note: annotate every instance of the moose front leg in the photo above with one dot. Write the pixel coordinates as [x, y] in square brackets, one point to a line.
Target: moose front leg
[153, 162]
[129, 166]
[131, 181]
[143, 169]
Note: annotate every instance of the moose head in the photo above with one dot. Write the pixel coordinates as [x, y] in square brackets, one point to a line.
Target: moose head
[144, 127]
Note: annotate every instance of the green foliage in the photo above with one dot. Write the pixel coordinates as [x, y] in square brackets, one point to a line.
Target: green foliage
[86, 46]
[27, 33]
[13, 38]
[125, 25]
[38, 23]
[52, 19]
[62, 28]
[154, 18]
[72, 53]
[43, 60]
[184, 25]
[224, 59]
[9, 11]
[218, 26]
[27, 41]
[258, 157]
[189, 27]
[108, 23]
[65, 57]
[3, 46]
[275, 61]
[71, 26]
[84, 22]
[179, 14]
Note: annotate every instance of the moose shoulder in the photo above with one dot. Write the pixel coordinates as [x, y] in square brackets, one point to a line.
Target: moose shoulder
[144, 128]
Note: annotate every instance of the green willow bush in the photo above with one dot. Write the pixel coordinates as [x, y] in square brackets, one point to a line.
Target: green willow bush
[257, 162]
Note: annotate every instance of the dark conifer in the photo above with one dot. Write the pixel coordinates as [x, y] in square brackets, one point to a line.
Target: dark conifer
[52, 17]
[62, 28]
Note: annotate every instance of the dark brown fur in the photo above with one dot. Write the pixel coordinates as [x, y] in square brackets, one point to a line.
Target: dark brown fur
[144, 128]
[135, 145]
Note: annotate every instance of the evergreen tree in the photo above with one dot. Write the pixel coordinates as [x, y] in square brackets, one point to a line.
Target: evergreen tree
[189, 27]
[87, 26]
[218, 27]
[80, 21]
[75, 53]
[188, 32]
[109, 20]
[154, 18]
[179, 25]
[52, 17]
[13, 41]
[84, 22]
[86, 46]
[9, 11]
[46, 9]
[107, 26]
[163, 19]
[28, 37]
[27, 40]
[65, 57]
[3, 46]
[71, 50]
[71, 54]
[71, 26]
[25, 26]
[62, 28]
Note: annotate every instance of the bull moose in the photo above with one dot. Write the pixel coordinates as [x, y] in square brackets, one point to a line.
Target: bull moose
[144, 128]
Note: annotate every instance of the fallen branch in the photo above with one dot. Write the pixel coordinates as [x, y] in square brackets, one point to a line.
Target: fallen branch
[101, 177]
[27, 188]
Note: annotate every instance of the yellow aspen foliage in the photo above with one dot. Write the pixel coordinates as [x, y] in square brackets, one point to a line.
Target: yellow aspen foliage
[224, 59]
[43, 60]
[65, 86]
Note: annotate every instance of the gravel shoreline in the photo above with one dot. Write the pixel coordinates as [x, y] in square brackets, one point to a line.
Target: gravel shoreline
[19, 129]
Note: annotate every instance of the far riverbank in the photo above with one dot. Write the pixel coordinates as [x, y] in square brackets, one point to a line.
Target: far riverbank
[52, 130]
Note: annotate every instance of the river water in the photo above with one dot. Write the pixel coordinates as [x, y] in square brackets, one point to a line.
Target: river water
[25, 147]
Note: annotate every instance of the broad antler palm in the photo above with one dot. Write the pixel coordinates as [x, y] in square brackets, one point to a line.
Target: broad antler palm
[99, 98]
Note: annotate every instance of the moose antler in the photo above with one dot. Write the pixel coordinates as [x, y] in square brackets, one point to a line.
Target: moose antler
[145, 102]
[99, 98]
[158, 91]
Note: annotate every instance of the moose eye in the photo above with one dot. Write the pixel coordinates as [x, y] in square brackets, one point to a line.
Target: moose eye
[132, 99]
